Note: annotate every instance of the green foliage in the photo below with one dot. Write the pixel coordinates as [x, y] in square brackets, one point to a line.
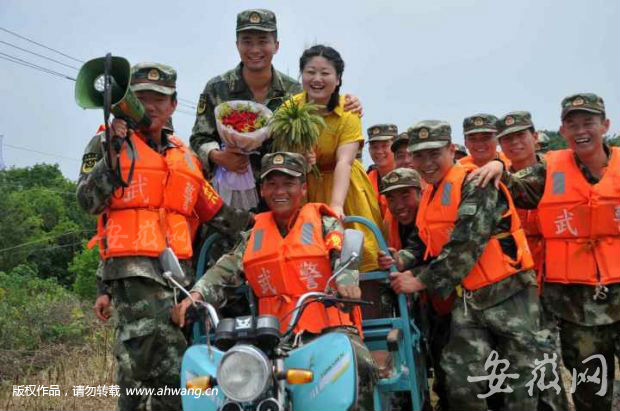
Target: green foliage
[556, 141]
[41, 224]
[613, 140]
[84, 268]
[36, 311]
[296, 127]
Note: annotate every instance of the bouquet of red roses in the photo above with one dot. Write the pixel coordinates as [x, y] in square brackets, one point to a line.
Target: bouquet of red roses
[242, 124]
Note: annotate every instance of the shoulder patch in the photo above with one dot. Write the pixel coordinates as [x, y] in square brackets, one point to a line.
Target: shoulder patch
[88, 162]
[202, 104]
[468, 209]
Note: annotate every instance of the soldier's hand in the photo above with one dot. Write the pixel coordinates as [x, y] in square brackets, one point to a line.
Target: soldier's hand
[118, 128]
[405, 283]
[492, 171]
[353, 104]
[178, 311]
[231, 159]
[349, 291]
[385, 261]
[102, 307]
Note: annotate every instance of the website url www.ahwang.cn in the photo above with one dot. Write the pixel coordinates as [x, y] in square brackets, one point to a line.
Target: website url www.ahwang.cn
[164, 391]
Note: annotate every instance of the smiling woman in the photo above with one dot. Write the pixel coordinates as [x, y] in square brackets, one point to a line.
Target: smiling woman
[342, 183]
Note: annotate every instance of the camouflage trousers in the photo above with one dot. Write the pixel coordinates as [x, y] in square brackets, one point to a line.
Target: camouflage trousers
[511, 329]
[149, 347]
[579, 342]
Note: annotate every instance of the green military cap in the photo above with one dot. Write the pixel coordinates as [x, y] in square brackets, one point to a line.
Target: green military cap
[480, 123]
[402, 138]
[292, 164]
[256, 19]
[382, 132]
[513, 122]
[459, 148]
[154, 77]
[589, 102]
[400, 178]
[429, 134]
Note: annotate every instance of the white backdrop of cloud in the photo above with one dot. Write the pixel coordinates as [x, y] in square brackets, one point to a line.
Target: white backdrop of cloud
[406, 60]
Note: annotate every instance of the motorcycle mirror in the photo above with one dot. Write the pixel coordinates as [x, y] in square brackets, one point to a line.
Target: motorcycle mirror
[352, 247]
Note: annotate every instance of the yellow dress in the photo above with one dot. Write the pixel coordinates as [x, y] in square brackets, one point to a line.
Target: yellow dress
[361, 200]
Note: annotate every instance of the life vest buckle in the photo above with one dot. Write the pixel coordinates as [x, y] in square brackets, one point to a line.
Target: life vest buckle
[600, 292]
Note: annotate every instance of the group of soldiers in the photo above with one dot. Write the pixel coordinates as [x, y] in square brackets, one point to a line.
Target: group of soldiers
[511, 256]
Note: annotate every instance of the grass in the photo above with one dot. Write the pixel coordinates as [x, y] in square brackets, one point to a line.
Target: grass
[91, 363]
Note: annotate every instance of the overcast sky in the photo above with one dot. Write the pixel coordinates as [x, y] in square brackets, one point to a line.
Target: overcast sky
[406, 60]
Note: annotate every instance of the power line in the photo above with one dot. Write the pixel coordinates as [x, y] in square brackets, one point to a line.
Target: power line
[44, 239]
[41, 152]
[26, 63]
[193, 103]
[37, 54]
[41, 45]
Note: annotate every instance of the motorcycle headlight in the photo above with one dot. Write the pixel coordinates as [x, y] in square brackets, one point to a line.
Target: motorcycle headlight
[244, 373]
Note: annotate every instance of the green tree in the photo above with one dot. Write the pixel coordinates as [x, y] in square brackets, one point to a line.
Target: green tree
[40, 221]
[84, 268]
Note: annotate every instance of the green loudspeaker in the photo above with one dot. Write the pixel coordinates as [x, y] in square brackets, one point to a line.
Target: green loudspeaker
[89, 87]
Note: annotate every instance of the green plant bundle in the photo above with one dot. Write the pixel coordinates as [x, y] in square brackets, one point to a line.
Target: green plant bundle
[296, 127]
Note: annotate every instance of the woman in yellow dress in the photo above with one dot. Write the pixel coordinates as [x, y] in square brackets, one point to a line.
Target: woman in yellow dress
[343, 184]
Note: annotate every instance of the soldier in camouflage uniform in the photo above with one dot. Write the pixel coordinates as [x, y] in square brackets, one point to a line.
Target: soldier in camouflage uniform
[502, 316]
[148, 348]
[460, 151]
[253, 79]
[286, 169]
[517, 137]
[402, 157]
[480, 139]
[589, 315]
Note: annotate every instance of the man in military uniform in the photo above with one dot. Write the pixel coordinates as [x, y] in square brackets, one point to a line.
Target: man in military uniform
[253, 79]
[481, 139]
[283, 186]
[470, 240]
[543, 143]
[380, 139]
[517, 137]
[148, 348]
[577, 195]
[460, 151]
[402, 157]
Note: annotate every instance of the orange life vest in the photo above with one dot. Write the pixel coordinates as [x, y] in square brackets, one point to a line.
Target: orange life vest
[390, 223]
[530, 224]
[436, 218]
[157, 209]
[374, 177]
[469, 160]
[581, 222]
[280, 270]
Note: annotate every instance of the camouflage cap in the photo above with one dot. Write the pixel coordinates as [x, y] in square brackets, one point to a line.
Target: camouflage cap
[459, 148]
[543, 139]
[400, 178]
[429, 134]
[154, 77]
[583, 102]
[256, 19]
[382, 132]
[402, 138]
[513, 122]
[292, 164]
[480, 123]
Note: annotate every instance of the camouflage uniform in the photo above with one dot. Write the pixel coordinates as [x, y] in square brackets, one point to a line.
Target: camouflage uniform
[228, 272]
[435, 327]
[587, 326]
[232, 86]
[503, 316]
[148, 348]
[514, 122]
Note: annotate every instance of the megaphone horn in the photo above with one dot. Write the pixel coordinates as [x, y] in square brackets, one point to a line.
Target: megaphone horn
[89, 89]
